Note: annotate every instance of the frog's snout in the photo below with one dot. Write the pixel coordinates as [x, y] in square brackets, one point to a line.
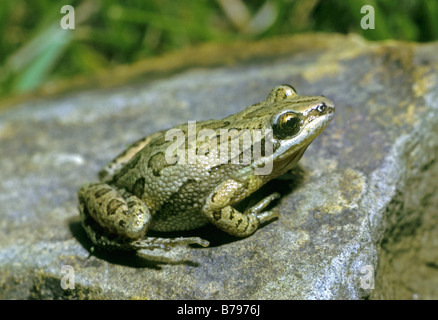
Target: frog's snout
[325, 107]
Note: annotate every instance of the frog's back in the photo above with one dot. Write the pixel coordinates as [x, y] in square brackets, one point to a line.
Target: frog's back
[175, 189]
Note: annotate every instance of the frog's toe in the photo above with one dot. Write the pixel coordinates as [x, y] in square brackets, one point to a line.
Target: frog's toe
[166, 244]
[264, 216]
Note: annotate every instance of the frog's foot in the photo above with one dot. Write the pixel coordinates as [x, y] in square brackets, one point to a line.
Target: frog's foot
[166, 244]
[219, 211]
[244, 224]
[257, 210]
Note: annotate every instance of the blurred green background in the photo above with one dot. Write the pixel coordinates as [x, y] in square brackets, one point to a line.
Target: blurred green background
[35, 50]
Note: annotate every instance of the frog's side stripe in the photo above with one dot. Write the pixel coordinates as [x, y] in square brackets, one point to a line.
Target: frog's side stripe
[157, 163]
[130, 165]
[213, 125]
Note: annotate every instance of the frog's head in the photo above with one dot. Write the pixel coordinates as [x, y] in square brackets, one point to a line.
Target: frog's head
[295, 122]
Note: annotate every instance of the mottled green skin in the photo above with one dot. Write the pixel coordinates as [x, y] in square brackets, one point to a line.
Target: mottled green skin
[141, 190]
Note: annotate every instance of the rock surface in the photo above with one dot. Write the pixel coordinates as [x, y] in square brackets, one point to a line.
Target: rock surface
[358, 217]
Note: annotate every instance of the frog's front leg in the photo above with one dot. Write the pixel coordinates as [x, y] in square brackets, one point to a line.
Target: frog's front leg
[114, 218]
[219, 211]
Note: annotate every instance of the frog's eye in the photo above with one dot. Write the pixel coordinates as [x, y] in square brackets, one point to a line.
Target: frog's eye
[283, 92]
[288, 90]
[287, 124]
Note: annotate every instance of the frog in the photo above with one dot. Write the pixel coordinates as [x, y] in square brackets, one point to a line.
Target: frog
[146, 189]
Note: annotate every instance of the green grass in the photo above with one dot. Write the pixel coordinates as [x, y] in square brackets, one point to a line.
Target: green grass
[34, 48]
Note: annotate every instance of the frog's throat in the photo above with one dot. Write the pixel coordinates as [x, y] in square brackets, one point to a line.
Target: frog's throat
[284, 164]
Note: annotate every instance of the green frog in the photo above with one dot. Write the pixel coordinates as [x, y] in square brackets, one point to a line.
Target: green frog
[165, 184]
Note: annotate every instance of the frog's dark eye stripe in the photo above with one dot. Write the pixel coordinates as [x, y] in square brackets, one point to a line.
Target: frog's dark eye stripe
[287, 124]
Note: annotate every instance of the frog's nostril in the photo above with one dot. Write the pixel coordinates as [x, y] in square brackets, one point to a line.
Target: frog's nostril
[322, 107]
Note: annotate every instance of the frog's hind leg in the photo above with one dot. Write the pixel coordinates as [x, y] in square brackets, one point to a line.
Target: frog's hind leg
[102, 239]
[115, 219]
[106, 210]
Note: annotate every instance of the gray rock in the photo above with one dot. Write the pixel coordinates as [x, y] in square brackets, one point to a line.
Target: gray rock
[358, 215]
